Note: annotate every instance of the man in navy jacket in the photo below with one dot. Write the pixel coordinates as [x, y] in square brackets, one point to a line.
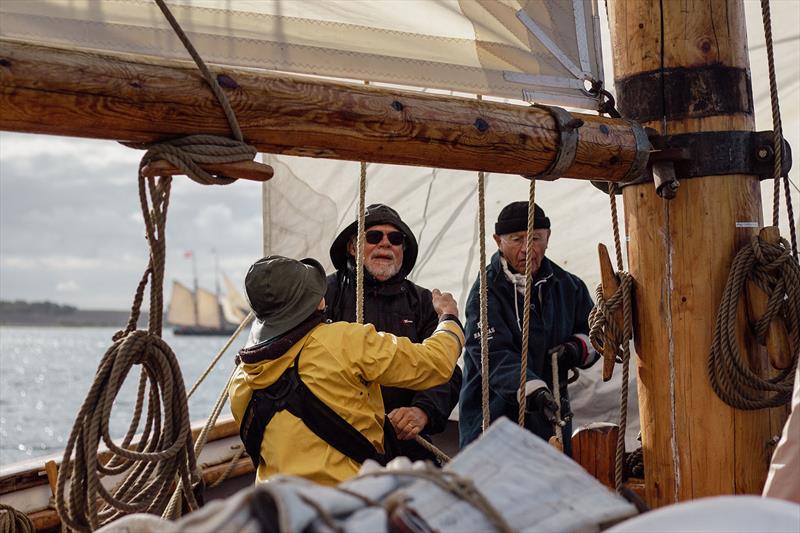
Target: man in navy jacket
[560, 306]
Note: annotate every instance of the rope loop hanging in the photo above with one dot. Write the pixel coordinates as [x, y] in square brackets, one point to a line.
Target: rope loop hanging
[771, 267]
[605, 332]
[164, 452]
[777, 128]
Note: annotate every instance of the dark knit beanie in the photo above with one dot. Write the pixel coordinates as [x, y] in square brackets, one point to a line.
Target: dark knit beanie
[514, 217]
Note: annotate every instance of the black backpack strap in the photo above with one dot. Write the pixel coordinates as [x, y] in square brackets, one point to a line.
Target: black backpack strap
[290, 393]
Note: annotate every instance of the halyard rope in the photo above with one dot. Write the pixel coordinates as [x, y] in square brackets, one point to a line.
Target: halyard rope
[777, 127]
[603, 331]
[362, 192]
[484, 303]
[526, 315]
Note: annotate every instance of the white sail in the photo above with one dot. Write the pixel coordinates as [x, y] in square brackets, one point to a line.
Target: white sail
[181, 311]
[541, 50]
[208, 312]
[234, 307]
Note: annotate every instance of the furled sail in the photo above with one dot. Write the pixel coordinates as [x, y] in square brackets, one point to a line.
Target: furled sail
[208, 312]
[181, 311]
[539, 50]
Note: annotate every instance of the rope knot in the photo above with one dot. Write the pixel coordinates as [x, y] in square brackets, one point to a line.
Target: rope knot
[188, 153]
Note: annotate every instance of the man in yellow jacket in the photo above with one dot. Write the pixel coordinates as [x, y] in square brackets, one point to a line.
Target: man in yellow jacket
[306, 393]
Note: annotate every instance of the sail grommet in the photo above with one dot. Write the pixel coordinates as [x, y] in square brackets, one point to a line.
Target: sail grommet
[568, 126]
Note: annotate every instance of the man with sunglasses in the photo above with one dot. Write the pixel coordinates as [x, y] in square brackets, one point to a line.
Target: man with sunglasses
[393, 304]
[560, 306]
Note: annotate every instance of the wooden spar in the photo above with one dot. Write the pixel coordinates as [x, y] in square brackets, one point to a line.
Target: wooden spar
[119, 97]
[680, 61]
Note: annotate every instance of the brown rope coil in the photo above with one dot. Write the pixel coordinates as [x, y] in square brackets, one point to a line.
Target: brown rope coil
[772, 268]
[14, 521]
[164, 452]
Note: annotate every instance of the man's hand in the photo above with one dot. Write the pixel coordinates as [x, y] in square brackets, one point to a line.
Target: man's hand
[571, 353]
[408, 421]
[444, 303]
[542, 400]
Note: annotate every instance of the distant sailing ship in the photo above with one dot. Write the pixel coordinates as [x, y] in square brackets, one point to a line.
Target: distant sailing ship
[202, 312]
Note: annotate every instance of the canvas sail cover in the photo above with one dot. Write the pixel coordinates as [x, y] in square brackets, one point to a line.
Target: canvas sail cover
[181, 311]
[539, 50]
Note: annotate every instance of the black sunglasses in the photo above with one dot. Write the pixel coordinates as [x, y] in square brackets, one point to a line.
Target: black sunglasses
[375, 236]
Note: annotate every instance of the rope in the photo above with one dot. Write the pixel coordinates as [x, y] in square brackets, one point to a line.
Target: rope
[557, 431]
[164, 451]
[210, 79]
[235, 459]
[173, 510]
[484, 303]
[13, 521]
[456, 485]
[362, 193]
[222, 351]
[777, 127]
[440, 455]
[603, 331]
[526, 316]
[771, 267]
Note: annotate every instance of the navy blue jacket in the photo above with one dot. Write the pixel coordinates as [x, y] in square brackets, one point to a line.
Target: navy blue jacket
[560, 306]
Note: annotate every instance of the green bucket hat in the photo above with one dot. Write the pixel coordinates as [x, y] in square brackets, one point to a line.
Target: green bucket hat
[282, 293]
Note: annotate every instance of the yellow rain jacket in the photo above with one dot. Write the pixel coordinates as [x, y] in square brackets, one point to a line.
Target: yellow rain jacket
[344, 365]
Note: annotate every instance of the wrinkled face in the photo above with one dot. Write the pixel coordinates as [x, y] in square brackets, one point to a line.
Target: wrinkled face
[384, 259]
[512, 246]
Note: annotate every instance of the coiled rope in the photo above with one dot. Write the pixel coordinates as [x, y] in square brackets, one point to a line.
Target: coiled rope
[14, 521]
[164, 453]
[773, 269]
[603, 331]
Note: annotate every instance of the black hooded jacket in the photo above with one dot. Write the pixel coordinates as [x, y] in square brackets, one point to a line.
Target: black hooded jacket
[396, 306]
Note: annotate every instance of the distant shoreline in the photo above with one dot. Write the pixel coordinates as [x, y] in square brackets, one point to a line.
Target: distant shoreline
[48, 314]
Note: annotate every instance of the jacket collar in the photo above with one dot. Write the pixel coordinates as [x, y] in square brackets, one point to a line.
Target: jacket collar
[544, 274]
[274, 348]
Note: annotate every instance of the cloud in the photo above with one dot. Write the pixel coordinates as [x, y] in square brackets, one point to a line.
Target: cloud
[70, 212]
[67, 286]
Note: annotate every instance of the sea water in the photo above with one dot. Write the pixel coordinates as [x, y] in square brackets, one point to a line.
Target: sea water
[45, 375]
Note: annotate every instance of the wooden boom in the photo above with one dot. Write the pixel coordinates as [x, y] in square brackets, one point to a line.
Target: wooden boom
[125, 98]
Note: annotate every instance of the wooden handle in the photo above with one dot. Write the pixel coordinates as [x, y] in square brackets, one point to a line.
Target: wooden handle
[610, 283]
[246, 170]
[51, 468]
[777, 337]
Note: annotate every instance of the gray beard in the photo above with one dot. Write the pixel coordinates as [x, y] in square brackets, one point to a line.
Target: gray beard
[383, 272]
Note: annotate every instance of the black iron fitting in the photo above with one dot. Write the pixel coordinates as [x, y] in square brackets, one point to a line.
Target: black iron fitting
[717, 153]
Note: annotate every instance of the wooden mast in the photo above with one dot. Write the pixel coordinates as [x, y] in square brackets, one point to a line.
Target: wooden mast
[127, 98]
[681, 67]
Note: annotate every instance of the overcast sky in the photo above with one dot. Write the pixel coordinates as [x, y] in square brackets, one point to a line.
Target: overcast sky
[71, 229]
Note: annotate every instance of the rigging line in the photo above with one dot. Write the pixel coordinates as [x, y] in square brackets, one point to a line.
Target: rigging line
[484, 304]
[526, 314]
